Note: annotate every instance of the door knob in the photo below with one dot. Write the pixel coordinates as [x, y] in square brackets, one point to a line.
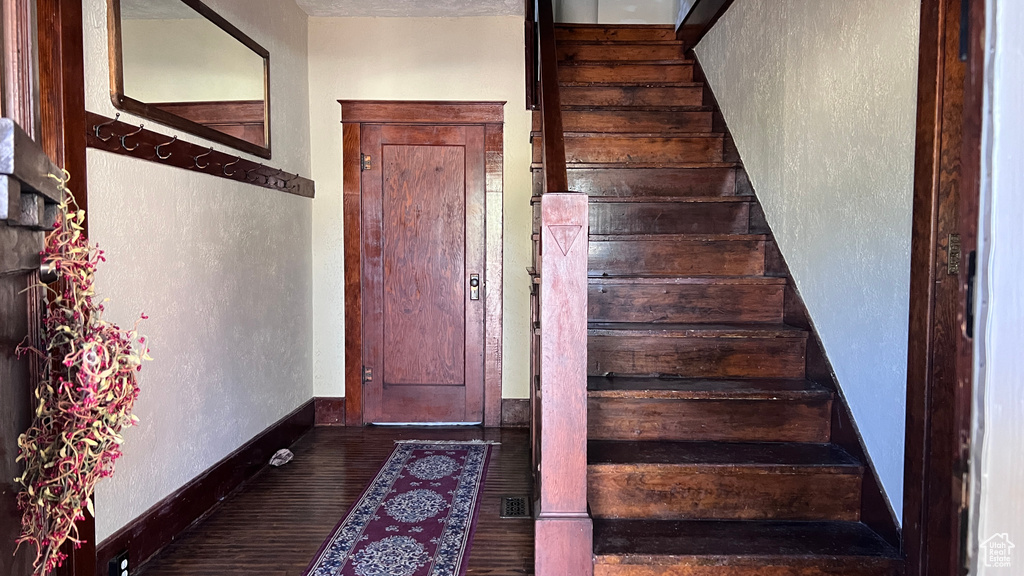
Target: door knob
[474, 286]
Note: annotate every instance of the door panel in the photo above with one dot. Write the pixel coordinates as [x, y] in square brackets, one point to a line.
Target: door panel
[422, 239]
[424, 265]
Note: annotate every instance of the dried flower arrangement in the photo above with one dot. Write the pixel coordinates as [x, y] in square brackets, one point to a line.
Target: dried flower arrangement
[84, 398]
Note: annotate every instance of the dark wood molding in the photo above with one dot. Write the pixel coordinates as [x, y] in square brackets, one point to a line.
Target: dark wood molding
[700, 19]
[351, 209]
[148, 110]
[19, 65]
[329, 411]
[515, 412]
[939, 360]
[62, 136]
[435, 112]
[157, 527]
[127, 139]
[490, 115]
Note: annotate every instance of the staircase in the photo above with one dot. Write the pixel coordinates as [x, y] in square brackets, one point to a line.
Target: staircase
[709, 450]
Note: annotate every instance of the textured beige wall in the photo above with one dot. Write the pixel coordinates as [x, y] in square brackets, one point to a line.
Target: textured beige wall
[223, 269]
[416, 59]
[821, 98]
[206, 63]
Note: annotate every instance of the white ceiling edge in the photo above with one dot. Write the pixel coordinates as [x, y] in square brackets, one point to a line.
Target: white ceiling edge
[411, 8]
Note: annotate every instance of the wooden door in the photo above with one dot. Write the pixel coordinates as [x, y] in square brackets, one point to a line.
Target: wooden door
[423, 245]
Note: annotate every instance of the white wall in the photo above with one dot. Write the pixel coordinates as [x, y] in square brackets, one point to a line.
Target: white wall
[637, 11]
[223, 269]
[206, 62]
[616, 11]
[998, 442]
[477, 58]
[821, 98]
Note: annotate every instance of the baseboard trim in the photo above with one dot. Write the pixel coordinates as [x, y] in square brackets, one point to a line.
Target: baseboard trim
[515, 412]
[160, 525]
[330, 411]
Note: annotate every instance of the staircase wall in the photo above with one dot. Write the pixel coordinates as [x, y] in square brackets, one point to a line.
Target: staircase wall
[821, 100]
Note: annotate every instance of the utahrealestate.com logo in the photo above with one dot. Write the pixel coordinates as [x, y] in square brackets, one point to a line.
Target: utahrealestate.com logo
[997, 551]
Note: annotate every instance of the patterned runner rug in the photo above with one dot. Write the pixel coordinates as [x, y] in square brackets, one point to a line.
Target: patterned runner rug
[417, 516]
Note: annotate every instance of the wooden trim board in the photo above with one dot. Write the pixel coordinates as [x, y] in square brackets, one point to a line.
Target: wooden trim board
[491, 116]
[157, 527]
[329, 411]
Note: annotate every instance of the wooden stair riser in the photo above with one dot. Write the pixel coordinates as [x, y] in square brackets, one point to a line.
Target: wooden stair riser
[697, 357]
[632, 95]
[670, 491]
[599, 33]
[672, 257]
[689, 303]
[635, 182]
[745, 566]
[688, 121]
[619, 51]
[654, 150]
[670, 218]
[590, 73]
[709, 420]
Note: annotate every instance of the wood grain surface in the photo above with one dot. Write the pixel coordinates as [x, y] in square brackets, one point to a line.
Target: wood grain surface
[424, 236]
[274, 525]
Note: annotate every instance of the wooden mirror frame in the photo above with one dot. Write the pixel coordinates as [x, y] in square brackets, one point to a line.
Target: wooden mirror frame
[133, 106]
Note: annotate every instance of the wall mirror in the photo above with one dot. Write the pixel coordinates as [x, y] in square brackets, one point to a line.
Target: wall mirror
[181, 64]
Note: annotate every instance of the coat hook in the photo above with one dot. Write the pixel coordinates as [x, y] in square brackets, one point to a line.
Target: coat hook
[96, 128]
[248, 173]
[225, 168]
[125, 146]
[195, 159]
[159, 146]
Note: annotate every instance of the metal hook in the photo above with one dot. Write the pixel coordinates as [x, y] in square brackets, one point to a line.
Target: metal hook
[195, 159]
[96, 128]
[125, 146]
[248, 173]
[159, 146]
[225, 168]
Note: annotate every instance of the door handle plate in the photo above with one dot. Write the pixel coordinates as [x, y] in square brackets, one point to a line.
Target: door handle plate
[474, 286]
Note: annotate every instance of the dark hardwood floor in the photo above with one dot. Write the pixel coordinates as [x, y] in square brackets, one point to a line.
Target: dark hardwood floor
[274, 525]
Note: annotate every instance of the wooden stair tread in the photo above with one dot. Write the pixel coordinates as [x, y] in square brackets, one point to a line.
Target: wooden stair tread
[638, 135]
[662, 280]
[695, 330]
[743, 454]
[655, 62]
[621, 43]
[647, 541]
[661, 199]
[679, 237]
[705, 389]
[610, 109]
[631, 84]
[611, 165]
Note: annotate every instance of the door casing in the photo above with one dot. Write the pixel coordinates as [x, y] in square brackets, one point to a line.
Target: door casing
[489, 115]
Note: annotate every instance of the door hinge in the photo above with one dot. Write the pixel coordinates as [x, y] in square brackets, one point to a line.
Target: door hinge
[367, 374]
[365, 162]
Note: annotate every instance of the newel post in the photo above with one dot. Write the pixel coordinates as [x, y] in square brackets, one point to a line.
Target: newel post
[564, 531]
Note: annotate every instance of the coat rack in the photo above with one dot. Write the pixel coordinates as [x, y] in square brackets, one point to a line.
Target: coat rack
[112, 135]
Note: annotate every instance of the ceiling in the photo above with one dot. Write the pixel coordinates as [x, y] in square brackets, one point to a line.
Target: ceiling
[412, 8]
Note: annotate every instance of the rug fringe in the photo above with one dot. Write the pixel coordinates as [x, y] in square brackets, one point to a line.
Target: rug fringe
[492, 442]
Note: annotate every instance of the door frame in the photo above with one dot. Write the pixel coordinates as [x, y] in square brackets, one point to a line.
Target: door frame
[939, 363]
[490, 115]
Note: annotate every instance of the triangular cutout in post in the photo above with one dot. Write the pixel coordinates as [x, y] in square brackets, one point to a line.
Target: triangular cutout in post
[565, 235]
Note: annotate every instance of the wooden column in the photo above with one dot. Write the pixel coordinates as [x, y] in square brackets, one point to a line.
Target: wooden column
[564, 531]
